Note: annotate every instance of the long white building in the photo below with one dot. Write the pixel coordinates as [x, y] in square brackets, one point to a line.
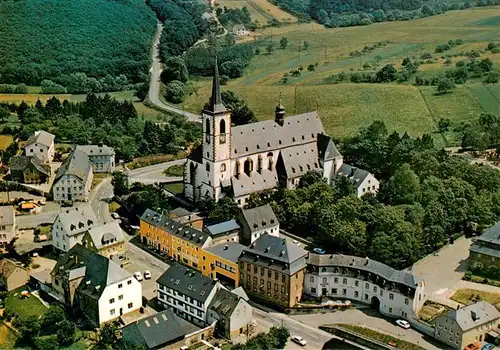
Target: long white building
[394, 293]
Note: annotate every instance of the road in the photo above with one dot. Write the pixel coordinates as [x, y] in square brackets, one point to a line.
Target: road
[154, 85]
[154, 173]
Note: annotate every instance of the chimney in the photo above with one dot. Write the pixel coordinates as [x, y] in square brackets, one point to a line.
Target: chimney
[226, 247]
[473, 316]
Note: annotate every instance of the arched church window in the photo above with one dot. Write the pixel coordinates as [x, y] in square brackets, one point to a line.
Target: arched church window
[223, 167]
[238, 168]
[270, 161]
[207, 166]
[222, 127]
[259, 164]
[192, 174]
[207, 130]
[248, 166]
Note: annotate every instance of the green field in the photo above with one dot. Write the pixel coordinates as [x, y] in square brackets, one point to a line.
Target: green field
[344, 108]
[24, 307]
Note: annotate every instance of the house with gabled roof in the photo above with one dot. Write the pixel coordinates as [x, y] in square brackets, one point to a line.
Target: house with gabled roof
[73, 180]
[107, 240]
[29, 170]
[101, 156]
[484, 253]
[7, 224]
[257, 222]
[363, 181]
[70, 226]
[12, 275]
[107, 291]
[188, 292]
[41, 145]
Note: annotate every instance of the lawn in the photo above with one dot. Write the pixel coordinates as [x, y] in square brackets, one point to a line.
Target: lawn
[381, 337]
[467, 296]
[24, 307]
[5, 141]
[256, 16]
[175, 187]
[487, 97]
[174, 170]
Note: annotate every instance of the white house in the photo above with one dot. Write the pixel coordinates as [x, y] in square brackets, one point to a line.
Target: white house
[101, 156]
[188, 292]
[107, 291]
[70, 226]
[363, 181]
[74, 178]
[257, 222]
[394, 293]
[7, 224]
[240, 30]
[245, 159]
[41, 145]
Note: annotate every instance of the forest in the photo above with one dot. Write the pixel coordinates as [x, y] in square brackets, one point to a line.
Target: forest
[106, 120]
[105, 42]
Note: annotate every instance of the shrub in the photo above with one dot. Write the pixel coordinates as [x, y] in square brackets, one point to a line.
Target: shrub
[174, 91]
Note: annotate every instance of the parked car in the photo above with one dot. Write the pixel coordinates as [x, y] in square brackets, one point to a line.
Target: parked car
[403, 324]
[319, 250]
[472, 346]
[488, 346]
[138, 276]
[147, 274]
[297, 243]
[299, 340]
[115, 215]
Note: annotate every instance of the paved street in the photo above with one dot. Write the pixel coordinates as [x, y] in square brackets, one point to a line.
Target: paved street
[154, 173]
[372, 319]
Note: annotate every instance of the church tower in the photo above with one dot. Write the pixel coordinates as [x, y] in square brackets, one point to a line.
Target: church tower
[216, 142]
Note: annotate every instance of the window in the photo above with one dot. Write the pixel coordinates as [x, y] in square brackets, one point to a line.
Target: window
[335, 280]
[344, 280]
[374, 289]
[334, 290]
[207, 130]
[324, 280]
[130, 305]
[312, 278]
[112, 300]
[276, 276]
[268, 285]
[255, 268]
[356, 283]
[391, 296]
[367, 285]
[282, 289]
[269, 273]
[223, 167]
[120, 297]
[222, 127]
[344, 291]
[381, 293]
[262, 271]
[366, 296]
[283, 278]
[407, 301]
[313, 290]
[390, 310]
[129, 282]
[112, 312]
[207, 166]
[356, 294]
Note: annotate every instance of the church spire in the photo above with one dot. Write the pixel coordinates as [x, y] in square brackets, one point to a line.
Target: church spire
[216, 105]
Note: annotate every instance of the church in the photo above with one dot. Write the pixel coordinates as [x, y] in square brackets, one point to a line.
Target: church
[237, 161]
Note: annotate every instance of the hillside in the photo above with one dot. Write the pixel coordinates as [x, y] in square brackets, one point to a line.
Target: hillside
[51, 39]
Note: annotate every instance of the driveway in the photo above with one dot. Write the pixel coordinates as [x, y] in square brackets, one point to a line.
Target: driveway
[154, 173]
[367, 317]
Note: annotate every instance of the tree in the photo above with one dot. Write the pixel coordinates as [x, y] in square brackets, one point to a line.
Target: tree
[223, 210]
[445, 84]
[240, 112]
[174, 69]
[233, 68]
[108, 335]
[444, 124]
[311, 67]
[309, 178]
[4, 114]
[492, 78]
[174, 91]
[269, 48]
[388, 73]
[403, 187]
[141, 91]
[120, 183]
[280, 335]
[29, 327]
[66, 333]
[283, 42]
[51, 318]
[305, 45]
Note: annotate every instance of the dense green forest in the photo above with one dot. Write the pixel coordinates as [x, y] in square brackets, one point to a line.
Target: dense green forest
[106, 120]
[93, 45]
[333, 13]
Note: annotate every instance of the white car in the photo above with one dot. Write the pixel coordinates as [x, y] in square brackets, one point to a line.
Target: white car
[138, 276]
[403, 324]
[299, 340]
[147, 274]
[115, 215]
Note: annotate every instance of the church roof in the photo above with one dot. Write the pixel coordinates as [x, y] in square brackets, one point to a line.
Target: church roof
[255, 183]
[268, 135]
[326, 148]
[352, 173]
[300, 159]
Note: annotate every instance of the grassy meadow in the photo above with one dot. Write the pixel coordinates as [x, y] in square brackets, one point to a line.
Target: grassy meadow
[344, 108]
[261, 11]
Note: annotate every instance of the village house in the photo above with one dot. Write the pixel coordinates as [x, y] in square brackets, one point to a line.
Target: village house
[187, 218]
[70, 226]
[41, 145]
[7, 224]
[467, 325]
[12, 275]
[257, 222]
[272, 270]
[101, 156]
[224, 232]
[29, 170]
[107, 240]
[73, 179]
[221, 263]
[240, 160]
[240, 30]
[484, 253]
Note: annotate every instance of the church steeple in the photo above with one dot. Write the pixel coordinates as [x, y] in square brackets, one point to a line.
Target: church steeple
[279, 113]
[216, 104]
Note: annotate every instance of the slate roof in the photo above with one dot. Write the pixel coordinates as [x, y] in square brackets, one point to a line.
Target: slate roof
[224, 302]
[178, 212]
[364, 264]
[245, 184]
[8, 267]
[480, 249]
[326, 148]
[223, 227]
[187, 282]
[106, 233]
[241, 293]
[96, 150]
[352, 173]
[155, 331]
[230, 251]
[216, 103]
[7, 216]
[267, 135]
[77, 220]
[300, 159]
[491, 235]
[42, 137]
[100, 273]
[175, 228]
[474, 315]
[272, 250]
[196, 154]
[260, 218]
[73, 262]
[20, 163]
[77, 164]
